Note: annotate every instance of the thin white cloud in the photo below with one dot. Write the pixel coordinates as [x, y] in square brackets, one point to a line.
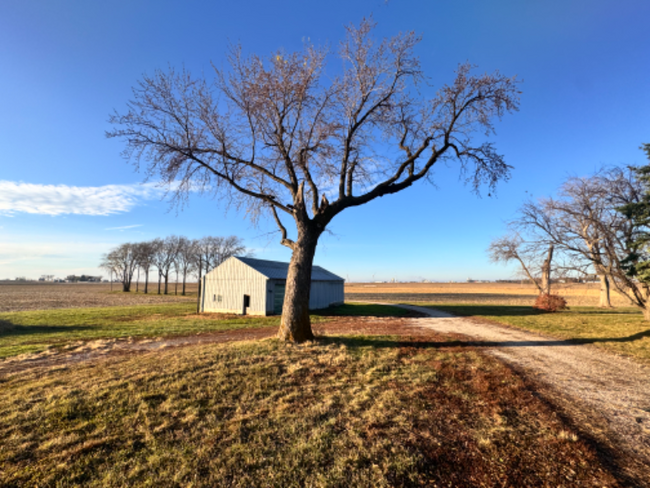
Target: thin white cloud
[124, 227]
[18, 197]
[30, 257]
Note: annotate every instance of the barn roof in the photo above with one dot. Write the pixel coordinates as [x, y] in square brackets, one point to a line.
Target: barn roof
[278, 271]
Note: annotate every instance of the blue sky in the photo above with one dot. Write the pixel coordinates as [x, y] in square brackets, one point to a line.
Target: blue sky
[66, 195]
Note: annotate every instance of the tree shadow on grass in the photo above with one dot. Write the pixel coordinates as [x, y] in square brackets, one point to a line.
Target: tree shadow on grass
[356, 342]
[490, 310]
[10, 329]
[364, 310]
[517, 310]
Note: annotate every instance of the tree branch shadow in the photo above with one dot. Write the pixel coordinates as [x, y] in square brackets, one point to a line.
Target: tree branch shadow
[394, 342]
[10, 329]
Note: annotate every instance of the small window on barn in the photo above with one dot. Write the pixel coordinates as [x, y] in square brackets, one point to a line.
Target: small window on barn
[214, 298]
[219, 298]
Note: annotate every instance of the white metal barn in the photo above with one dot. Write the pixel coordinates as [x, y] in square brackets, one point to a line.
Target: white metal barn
[255, 286]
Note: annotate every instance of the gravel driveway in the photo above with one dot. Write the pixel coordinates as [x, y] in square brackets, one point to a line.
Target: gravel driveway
[609, 392]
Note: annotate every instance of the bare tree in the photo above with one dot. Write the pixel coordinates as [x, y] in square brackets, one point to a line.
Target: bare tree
[209, 252]
[619, 235]
[145, 255]
[584, 224]
[221, 248]
[277, 136]
[158, 259]
[166, 255]
[122, 261]
[570, 224]
[536, 266]
[185, 259]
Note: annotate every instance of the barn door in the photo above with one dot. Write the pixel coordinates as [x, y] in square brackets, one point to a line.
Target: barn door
[278, 298]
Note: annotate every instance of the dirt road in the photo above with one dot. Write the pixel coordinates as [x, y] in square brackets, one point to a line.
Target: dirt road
[609, 393]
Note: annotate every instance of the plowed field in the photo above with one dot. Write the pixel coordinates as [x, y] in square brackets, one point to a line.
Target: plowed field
[15, 297]
[476, 293]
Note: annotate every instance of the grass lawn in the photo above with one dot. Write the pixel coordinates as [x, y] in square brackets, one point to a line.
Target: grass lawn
[621, 330]
[35, 331]
[348, 411]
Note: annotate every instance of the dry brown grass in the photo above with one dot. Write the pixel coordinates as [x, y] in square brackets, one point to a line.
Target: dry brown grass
[479, 293]
[343, 411]
[16, 297]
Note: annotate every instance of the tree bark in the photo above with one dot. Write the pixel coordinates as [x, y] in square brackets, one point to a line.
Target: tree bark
[546, 271]
[295, 325]
[605, 301]
[146, 281]
[126, 284]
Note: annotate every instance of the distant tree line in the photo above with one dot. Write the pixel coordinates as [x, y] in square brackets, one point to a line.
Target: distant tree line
[185, 257]
[597, 225]
[74, 278]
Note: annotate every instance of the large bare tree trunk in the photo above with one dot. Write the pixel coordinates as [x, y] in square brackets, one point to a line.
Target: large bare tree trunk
[146, 281]
[546, 271]
[296, 325]
[605, 301]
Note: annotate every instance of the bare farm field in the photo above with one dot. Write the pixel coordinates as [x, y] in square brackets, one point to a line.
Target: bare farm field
[583, 294]
[16, 297]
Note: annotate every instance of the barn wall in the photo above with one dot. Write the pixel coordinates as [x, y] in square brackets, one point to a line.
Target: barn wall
[232, 280]
[325, 293]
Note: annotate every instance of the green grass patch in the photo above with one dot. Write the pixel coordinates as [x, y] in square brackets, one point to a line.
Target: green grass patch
[341, 412]
[621, 330]
[35, 331]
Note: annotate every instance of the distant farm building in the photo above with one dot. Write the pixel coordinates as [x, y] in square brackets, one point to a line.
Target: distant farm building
[255, 286]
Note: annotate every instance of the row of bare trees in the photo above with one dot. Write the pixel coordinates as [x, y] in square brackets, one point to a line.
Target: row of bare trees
[582, 232]
[185, 257]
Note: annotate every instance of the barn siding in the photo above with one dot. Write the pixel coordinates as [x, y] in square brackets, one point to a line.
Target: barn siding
[232, 280]
[325, 293]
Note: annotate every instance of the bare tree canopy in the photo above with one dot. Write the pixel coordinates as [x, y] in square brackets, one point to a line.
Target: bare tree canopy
[592, 224]
[186, 256]
[279, 136]
[211, 251]
[535, 261]
[123, 261]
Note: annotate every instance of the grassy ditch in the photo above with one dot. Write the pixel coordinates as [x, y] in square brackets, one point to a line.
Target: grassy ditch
[620, 330]
[349, 411]
[35, 331]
